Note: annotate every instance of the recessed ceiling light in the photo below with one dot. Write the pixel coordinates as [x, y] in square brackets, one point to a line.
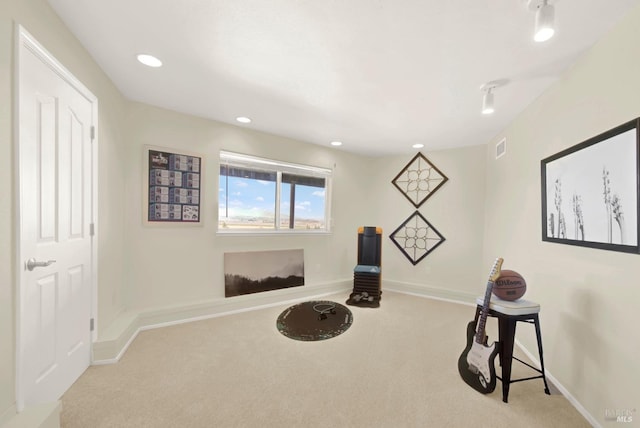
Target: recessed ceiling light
[243, 119]
[149, 60]
[418, 146]
[336, 143]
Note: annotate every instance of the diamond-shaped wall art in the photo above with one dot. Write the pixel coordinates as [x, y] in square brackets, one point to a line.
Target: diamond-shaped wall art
[419, 179]
[416, 238]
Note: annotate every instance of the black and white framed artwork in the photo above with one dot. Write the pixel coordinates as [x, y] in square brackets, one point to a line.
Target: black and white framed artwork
[590, 192]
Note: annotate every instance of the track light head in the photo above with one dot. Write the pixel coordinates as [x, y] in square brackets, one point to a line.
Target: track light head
[545, 14]
[487, 98]
[544, 23]
[487, 102]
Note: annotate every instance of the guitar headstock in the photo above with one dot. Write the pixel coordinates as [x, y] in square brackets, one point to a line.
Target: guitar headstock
[496, 269]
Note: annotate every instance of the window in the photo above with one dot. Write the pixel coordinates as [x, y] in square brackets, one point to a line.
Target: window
[263, 195]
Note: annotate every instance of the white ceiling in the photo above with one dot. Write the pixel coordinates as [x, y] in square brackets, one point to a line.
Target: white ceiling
[379, 75]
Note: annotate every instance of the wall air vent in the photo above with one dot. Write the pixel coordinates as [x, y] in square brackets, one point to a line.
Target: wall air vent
[501, 148]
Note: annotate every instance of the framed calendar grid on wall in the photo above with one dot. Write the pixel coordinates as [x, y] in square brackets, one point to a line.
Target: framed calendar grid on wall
[172, 189]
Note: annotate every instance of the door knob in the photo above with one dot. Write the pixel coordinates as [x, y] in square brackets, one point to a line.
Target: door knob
[32, 263]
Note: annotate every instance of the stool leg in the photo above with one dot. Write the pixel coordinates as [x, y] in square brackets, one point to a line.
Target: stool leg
[539, 336]
[507, 333]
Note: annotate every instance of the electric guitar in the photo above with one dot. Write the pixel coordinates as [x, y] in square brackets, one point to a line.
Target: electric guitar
[476, 364]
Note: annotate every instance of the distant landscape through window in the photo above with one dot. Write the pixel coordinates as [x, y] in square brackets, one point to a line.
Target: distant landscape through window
[260, 195]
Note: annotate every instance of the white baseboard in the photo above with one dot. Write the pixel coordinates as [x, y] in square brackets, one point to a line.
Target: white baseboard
[564, 391]
[7, 414]
[125, 328]
[470, 300]
[113, 343]
[40, 416]
[430, 292]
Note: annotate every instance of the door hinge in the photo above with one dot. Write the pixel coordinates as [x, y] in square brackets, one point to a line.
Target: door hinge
[92, 229]
[93, 132]
[91, 325]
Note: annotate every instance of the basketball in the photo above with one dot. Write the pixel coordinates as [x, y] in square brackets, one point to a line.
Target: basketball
[510, 285]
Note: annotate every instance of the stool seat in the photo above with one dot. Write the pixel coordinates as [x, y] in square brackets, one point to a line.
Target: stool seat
[508, 307]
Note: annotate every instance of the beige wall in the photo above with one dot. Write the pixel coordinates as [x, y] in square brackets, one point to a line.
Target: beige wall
[179, 264]
[589, 298]
[191, 269]
[38, 18]
[7, 326]
[456, 210]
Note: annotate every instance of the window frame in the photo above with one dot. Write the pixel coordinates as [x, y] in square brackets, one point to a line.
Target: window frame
[238, 160]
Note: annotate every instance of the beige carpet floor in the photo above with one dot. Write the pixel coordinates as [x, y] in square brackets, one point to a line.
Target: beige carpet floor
[395, 367]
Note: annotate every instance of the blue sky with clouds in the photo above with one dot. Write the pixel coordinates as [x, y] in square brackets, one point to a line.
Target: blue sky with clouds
[256, 198]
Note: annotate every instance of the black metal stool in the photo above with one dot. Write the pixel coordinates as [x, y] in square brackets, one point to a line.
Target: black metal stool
[508, 314]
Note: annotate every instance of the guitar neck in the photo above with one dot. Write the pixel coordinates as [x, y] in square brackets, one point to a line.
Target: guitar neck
[485, 312]
[495, 273]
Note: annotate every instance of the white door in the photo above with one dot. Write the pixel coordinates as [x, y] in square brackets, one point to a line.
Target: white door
[56, 116]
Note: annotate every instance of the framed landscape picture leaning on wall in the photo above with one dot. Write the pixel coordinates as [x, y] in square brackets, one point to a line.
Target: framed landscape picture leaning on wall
[258, 271]
[590, 192]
